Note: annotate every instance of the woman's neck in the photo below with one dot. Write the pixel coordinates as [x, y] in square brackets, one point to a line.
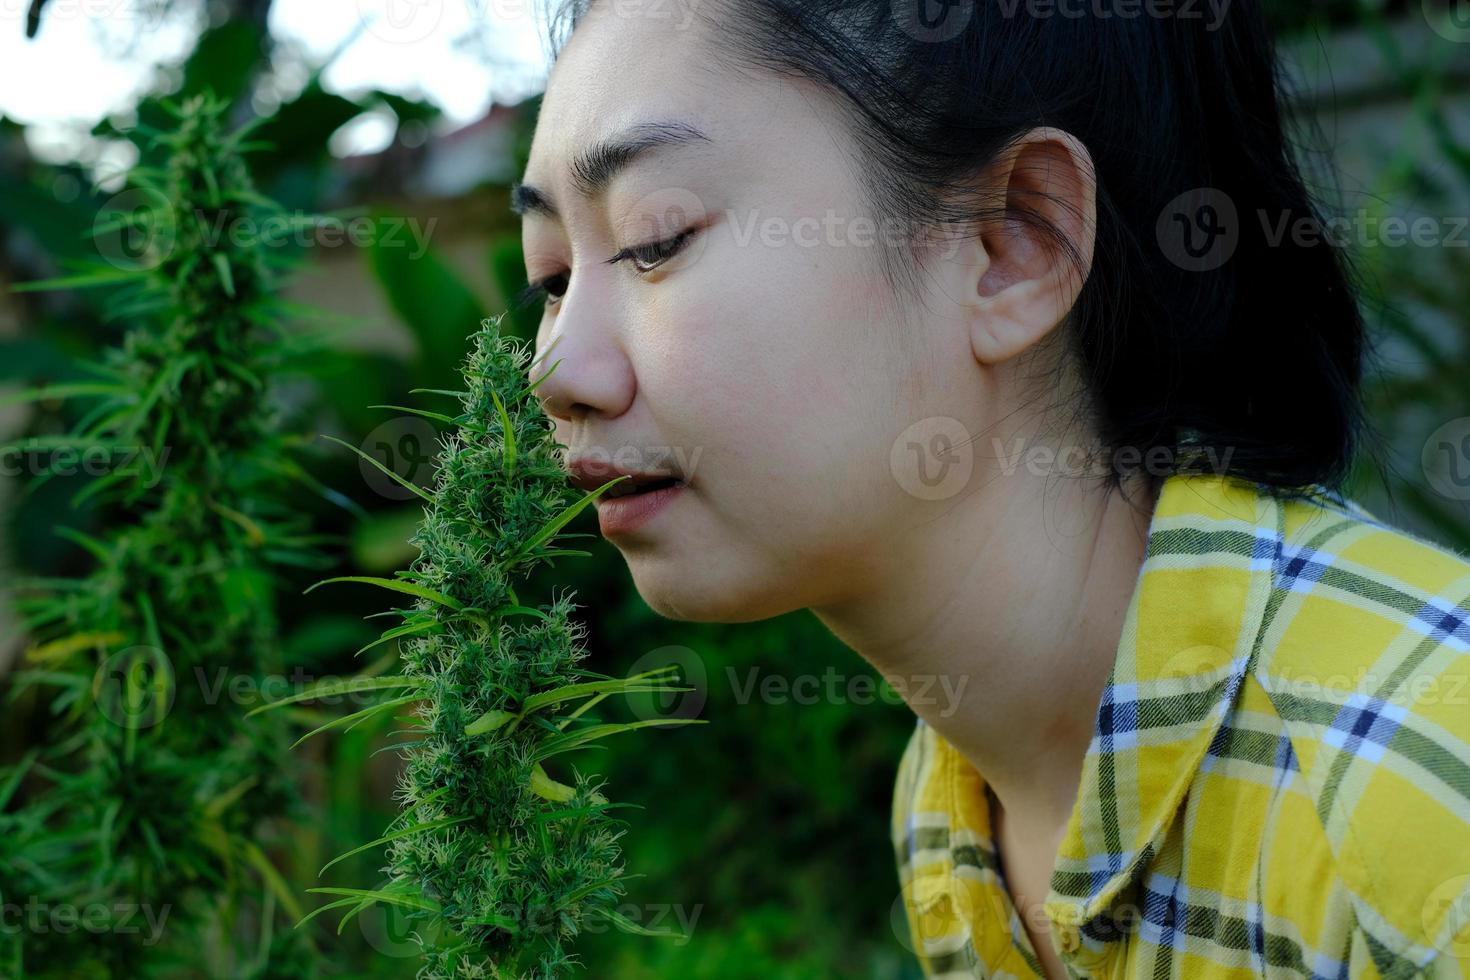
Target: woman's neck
[999, 623]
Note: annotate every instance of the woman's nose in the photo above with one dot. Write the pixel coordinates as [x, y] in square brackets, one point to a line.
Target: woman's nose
[592, 372]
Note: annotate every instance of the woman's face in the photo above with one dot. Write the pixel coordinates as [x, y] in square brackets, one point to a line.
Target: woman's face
[767, 362]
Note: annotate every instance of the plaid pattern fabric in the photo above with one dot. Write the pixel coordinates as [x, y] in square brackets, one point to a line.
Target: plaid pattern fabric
[1278, 783]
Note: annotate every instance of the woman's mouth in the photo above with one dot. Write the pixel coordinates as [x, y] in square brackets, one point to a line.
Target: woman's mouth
[629, 488]
[636, 505]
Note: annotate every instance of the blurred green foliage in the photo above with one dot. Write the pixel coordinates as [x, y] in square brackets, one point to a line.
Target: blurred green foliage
[148, 792]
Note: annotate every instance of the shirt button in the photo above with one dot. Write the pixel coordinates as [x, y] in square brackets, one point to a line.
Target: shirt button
[1068, 937]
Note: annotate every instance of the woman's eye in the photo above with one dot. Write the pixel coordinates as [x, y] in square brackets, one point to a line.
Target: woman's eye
[552, 288]
[649, 257]
[645, 258]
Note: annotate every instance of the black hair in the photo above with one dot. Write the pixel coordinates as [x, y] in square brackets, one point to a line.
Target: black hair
[1244, 356]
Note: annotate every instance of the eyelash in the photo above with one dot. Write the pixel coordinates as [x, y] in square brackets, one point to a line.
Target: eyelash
[654, 254]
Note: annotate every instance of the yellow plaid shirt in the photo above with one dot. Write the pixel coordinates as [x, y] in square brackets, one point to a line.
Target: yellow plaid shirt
[1278, 783]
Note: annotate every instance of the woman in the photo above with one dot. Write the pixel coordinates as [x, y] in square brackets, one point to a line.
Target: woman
[970, 330]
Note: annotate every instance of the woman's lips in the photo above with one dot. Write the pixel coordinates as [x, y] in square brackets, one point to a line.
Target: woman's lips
[623, 515]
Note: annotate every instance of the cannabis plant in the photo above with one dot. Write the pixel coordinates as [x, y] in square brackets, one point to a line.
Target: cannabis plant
[152, 799]
[497, 863]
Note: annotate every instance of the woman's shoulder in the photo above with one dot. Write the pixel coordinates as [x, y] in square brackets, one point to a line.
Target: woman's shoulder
[1365, 654]
[1358, 603]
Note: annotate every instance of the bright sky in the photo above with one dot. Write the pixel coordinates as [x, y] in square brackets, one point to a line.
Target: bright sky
[93, 58]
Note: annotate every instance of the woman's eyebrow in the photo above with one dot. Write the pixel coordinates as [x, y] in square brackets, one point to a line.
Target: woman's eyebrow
[596, 167]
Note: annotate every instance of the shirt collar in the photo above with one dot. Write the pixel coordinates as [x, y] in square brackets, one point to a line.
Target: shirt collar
[1188, 640]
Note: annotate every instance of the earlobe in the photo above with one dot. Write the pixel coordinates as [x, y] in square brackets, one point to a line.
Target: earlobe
[1009, 321]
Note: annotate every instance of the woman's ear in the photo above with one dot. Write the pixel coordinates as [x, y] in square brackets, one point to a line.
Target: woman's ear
[1024, 285]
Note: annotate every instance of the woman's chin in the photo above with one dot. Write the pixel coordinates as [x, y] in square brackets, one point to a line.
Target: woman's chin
[681, 594]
